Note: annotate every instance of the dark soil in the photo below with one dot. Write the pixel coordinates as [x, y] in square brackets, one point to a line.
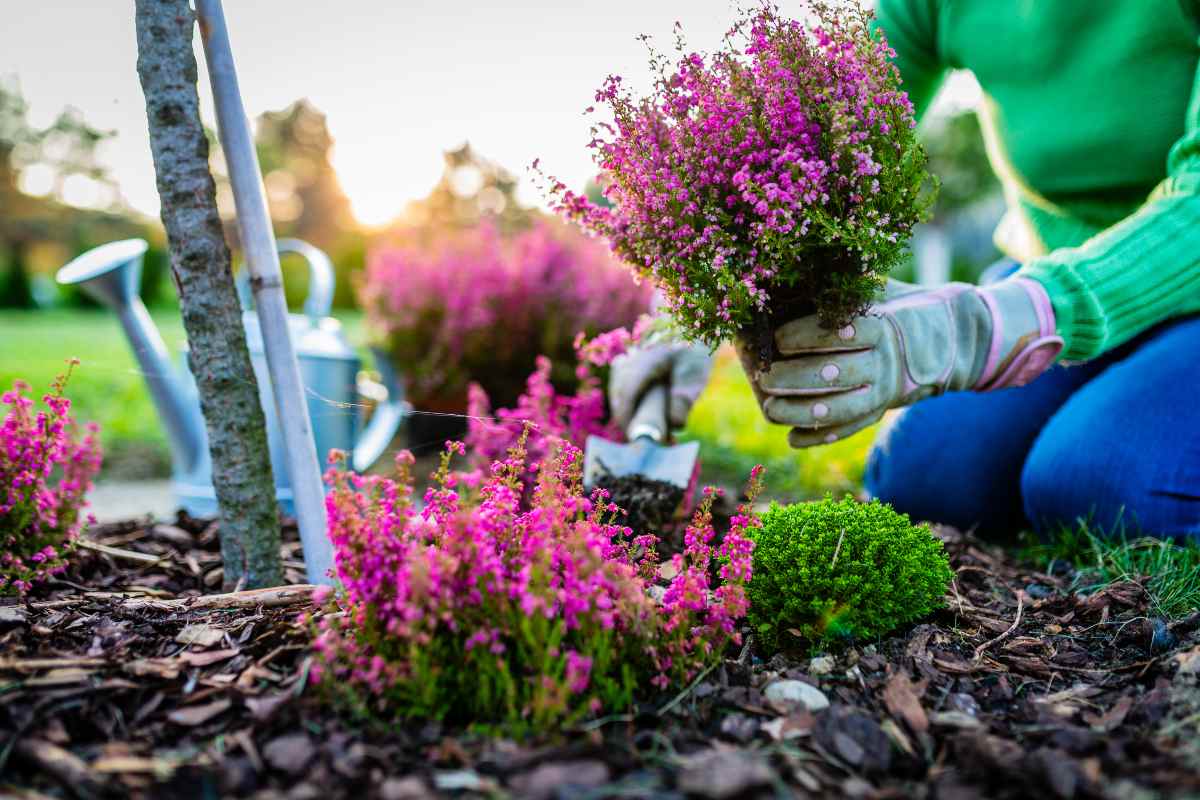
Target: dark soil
[648, 504]
[112, 687]
[426, 433]
[836, 267]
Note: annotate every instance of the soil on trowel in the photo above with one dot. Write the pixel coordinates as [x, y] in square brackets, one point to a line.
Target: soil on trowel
[647, 503]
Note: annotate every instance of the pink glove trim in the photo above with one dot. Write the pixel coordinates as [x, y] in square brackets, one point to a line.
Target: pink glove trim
[1041, 304]
[1031, 362]
[1033, 358]
[993, 358]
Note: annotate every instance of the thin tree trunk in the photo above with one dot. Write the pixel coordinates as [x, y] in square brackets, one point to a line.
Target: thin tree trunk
[212, 316]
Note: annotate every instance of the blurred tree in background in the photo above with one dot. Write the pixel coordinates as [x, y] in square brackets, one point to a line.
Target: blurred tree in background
[958, 157]
[471, 189]
[303, 193]
[968, 206]
[56, 200]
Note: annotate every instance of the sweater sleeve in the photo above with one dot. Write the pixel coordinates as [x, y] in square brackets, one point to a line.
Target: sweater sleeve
[911, 30]
[1141, 271]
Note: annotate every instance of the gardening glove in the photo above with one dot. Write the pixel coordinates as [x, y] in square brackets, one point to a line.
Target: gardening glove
[914, 344]
[682, 366]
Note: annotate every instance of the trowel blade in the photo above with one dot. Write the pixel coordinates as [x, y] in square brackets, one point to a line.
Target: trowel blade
[670, 464]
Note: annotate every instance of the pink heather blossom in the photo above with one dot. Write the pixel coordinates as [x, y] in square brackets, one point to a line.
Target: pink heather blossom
[483, 606]
[479, 307]
[542, 417]
[750, 174]
[46, 471]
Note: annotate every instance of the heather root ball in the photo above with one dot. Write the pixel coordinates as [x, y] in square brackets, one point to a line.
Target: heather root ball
[836, 569]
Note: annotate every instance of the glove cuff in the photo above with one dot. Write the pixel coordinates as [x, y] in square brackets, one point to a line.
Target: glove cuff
[1024, 341]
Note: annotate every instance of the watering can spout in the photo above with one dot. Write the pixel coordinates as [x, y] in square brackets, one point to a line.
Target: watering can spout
[111, 274]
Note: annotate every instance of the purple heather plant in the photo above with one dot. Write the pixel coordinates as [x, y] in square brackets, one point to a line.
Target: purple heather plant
[541, 418]
[482, 607]
[778, 174]
[437, 309]
[46, 471]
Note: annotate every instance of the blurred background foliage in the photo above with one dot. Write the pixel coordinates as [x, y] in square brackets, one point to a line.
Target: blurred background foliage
[57, 200]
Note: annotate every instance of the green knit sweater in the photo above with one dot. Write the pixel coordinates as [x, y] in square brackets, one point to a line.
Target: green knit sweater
[1091, 115]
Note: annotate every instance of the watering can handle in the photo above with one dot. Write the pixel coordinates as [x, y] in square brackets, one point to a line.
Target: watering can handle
[386, 419]
[320, 279]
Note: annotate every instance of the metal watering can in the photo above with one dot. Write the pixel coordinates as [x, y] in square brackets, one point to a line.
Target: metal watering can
[329, 369]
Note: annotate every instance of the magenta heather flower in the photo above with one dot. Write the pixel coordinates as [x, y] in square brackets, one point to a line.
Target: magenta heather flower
[542, 418]
[779, 173]
[480, 606]
[480, 307]
[46, 471]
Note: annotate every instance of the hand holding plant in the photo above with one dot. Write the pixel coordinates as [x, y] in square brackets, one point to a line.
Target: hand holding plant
[777, 176]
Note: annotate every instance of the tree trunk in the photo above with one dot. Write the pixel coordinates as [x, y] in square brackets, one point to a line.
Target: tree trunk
[212, 316]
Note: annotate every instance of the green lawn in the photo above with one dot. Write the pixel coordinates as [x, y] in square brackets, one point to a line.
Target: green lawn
[107, 386]
[1169, 571]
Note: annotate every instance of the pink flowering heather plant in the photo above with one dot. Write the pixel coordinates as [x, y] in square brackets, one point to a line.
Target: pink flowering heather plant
[476, 306]
[46, 471]
[542, 417]
[779, 174]
[480, 607]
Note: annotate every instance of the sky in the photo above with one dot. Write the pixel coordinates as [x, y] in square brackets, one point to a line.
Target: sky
[399, 80]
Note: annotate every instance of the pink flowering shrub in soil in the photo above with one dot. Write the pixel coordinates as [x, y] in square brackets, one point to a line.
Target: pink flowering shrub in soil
[46, 471]
[479, 609]
[777, 175]
[477, 306]
[542, 417]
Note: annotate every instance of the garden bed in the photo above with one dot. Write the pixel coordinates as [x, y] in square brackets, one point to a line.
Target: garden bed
[112, 685]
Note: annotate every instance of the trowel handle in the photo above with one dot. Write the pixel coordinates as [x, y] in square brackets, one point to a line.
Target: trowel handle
[650, 419]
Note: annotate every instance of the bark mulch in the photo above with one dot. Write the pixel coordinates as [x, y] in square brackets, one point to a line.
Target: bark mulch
[113, 684]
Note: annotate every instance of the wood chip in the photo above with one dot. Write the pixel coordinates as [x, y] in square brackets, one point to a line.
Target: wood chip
[201, 634]
[62, 676]
[198, 715]
[36, 664]
[165, 668]
[900, 697]
[204, 659]
[159, 767]
[64, 765]
[116, 552]
[13, 615]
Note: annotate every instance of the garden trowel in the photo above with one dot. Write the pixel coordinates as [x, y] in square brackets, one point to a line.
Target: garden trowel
[645, 454]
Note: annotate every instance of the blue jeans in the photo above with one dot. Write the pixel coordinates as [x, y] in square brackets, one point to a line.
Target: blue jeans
[1115, 440]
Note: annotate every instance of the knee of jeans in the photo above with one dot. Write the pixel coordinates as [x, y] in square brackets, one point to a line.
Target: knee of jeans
[881, 478]
[890, 475]
[1062, 486]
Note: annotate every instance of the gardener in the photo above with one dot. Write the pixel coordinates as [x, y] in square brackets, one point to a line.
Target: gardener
[1092, 121]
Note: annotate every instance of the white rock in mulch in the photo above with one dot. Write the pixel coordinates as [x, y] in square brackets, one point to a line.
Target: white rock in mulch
[821, 665]
[790, 694]
[459, 780]
[723, 774]
[568, 778]
[13, 615]
[955, 719]
[408, 788]
[291, 753]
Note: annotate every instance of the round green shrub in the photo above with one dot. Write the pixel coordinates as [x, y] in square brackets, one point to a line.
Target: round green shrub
[834, 569]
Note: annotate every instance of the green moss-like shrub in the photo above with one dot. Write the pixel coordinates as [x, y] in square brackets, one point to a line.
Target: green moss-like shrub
[839, 568]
